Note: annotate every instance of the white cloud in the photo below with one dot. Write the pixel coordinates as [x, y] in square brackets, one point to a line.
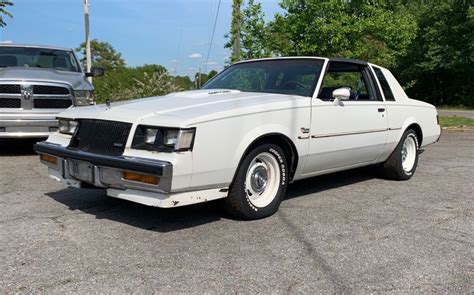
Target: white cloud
[195, 56]
[211, 63]
[6, 42]
[173, 61]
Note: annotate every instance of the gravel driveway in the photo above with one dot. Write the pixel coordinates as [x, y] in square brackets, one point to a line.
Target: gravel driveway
[348, 232]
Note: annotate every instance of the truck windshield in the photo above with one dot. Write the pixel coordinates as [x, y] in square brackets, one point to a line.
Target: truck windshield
[62, 60]
[283, 76]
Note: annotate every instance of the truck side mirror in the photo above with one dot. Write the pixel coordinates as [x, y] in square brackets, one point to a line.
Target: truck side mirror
[95, 72]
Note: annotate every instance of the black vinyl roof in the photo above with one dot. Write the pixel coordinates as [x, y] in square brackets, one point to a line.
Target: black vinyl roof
[354, 61]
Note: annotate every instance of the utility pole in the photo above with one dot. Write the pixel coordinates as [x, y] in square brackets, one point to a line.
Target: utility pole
[88, 39]
[235, 30]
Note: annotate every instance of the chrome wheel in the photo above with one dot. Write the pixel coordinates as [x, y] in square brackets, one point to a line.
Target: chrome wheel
[262, 180]
[409, 150]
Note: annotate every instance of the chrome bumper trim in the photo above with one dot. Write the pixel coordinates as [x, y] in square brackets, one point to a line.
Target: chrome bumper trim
[106, 171]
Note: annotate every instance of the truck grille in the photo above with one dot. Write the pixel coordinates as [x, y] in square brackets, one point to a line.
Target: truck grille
[32, 96]
[47, 89]
[101, 137]
[52, 103]
[11, 103]
[10, 88]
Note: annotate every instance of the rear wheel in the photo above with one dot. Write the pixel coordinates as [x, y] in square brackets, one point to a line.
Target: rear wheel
[260, 183]
[402, 163]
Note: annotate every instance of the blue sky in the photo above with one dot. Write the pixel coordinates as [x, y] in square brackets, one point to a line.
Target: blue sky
[144, 31]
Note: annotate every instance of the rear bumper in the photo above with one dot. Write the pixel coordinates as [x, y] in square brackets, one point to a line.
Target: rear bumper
[74, 166]
[23, 128]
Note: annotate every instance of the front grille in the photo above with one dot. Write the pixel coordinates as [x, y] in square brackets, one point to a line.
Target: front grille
[101, 137]
[52, 103]
[11, 103]
[46, 89]
[10, 88]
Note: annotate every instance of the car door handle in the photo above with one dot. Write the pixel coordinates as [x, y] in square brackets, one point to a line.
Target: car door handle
[381, 110]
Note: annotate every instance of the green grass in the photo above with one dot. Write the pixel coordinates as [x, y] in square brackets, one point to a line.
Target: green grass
[455, 121]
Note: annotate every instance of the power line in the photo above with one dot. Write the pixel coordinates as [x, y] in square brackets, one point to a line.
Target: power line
[212, 36]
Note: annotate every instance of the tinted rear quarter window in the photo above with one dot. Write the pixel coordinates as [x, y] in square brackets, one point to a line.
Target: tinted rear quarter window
[384, 84]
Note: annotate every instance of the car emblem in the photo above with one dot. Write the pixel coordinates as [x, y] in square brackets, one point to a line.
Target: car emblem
[26, 92]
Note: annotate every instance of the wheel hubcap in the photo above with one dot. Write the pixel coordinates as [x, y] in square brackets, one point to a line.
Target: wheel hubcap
[259, 179]
[262, 180]
[409, 151]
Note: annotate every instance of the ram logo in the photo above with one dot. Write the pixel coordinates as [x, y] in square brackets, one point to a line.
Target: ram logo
[26, 92]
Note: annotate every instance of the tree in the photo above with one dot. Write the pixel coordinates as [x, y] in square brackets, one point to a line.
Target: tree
[135, 82]
[201, 78]
[352, 29]
[253, 33]
[4, 12]
[103, 55]
[439, 66]
[235, 30]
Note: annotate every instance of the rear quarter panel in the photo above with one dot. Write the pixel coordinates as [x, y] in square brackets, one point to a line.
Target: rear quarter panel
[404, 112]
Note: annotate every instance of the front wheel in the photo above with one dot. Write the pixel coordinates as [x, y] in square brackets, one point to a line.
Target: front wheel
[402, 163]
[260, 183]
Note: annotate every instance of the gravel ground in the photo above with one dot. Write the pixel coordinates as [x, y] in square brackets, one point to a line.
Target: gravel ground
[348, 232]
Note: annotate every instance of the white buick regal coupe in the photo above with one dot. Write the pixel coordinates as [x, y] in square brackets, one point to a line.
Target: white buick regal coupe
[251, 130]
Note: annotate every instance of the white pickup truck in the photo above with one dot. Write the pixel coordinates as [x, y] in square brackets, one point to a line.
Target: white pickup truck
[251, 130]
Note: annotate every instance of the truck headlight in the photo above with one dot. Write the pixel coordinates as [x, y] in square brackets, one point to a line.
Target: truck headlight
[163, 139]
[67, 126]
[84, 97]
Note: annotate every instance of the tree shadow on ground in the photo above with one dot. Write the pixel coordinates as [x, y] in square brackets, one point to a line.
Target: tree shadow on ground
[18, 146]
[95, 202]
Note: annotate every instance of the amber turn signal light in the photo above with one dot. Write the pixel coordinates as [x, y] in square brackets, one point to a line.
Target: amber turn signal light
[133, 176]
[49, 159]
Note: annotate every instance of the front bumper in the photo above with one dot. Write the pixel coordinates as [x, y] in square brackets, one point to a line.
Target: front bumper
[24, 128]
[75, 166]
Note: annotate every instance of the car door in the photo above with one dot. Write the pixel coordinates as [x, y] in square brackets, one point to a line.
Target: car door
[346, 133]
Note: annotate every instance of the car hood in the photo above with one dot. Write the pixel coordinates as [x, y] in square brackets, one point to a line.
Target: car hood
[187, 108]
[74, 79]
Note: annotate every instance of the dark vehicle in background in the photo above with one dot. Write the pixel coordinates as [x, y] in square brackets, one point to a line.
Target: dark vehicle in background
[37, 83]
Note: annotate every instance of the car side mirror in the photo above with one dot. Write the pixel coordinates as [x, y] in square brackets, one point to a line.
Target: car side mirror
[341, 94]
[95, 72]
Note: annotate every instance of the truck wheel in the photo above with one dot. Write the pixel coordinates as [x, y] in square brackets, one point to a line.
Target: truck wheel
[260, 183]
[401, 165]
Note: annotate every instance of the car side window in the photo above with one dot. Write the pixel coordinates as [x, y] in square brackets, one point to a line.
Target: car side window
[352, 76]
[387, 91]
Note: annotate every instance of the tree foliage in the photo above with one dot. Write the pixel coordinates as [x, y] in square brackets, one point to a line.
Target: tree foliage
[428, 44]
[135, 82]
[439, 66]
[253, 36]
[103, 55]
[4, 11]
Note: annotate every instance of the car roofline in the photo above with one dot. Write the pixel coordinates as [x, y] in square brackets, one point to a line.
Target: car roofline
[35, 46]
[279, 58]
[331, 59]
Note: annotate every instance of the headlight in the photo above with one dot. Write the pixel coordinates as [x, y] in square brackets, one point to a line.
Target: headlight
[163, 139]
[84, 97]
[67, 126]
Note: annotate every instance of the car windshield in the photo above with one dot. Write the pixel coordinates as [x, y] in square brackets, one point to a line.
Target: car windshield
[283, 76]
[63, 60]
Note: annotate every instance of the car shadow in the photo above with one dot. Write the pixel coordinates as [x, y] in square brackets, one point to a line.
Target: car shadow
[95, 202]
[18, 146]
